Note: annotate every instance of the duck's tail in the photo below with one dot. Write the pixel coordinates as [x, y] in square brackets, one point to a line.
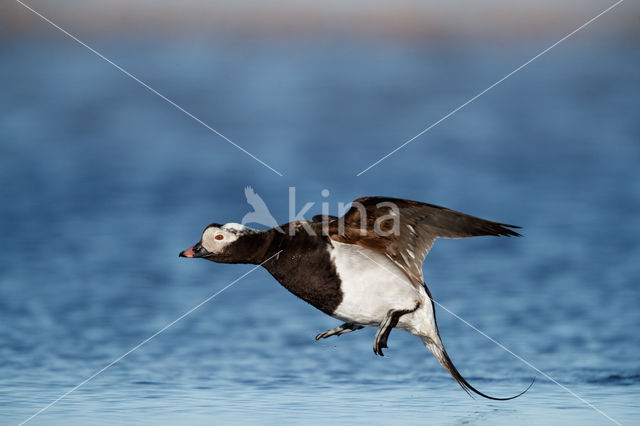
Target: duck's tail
[437, 349]
[431, 338]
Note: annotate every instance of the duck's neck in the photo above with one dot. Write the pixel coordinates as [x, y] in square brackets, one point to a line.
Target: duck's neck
[257, 247]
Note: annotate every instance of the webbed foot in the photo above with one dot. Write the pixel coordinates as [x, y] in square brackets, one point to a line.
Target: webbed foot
[338, 331]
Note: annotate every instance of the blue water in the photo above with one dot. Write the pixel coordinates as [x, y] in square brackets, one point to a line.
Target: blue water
[103, 183]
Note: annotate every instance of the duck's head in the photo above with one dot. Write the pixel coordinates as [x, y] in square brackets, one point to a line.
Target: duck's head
[224, 243]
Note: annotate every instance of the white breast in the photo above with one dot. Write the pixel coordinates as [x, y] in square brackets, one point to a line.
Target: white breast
[371, 284]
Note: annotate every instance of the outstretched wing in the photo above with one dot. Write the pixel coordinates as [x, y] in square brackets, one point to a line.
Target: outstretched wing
[405, 230]
[319, 218]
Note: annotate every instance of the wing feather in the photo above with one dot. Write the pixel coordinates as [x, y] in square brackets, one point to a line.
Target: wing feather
[372, 222]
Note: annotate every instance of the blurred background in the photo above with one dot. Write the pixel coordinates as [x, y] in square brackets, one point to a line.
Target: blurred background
[102, 183]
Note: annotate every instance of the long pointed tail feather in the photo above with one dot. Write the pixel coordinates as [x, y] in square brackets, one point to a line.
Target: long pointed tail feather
[441, 355]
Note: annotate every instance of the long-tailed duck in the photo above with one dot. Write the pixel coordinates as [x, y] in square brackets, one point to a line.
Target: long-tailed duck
[364, 268]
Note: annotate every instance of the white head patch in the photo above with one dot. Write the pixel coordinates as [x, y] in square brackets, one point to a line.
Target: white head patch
[235, 227]
[215, 239]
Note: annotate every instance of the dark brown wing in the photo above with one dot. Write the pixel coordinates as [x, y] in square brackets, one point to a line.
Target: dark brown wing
[323, 218]
[405, 230]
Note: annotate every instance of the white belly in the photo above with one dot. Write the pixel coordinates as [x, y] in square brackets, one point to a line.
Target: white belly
[371, 285]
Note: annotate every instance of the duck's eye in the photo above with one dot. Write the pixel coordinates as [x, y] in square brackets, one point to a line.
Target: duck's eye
[219, 237]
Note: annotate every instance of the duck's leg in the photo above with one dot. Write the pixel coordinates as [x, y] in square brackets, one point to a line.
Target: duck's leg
[344, 328]
[388, 323]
